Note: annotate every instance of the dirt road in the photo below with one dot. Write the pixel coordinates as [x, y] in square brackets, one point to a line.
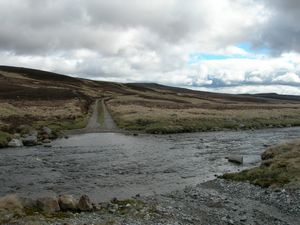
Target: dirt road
[108, 123]
[93, 126]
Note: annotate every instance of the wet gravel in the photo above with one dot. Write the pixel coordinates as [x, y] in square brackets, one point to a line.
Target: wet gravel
[111, 165]
[217, 202]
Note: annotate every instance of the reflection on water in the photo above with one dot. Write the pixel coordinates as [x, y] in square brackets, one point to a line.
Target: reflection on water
[116, 165]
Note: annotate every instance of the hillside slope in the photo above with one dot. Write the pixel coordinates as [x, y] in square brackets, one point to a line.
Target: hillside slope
[33, 98]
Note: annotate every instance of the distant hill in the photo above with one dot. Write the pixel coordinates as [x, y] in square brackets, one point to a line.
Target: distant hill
[236, 97]
[17, 82]
[281, 97]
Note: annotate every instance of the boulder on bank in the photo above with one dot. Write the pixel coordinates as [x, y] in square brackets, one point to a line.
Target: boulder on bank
[236, 159]
[46, 141]
[85, 203]
[67, 203]
[47, 131]
[33, 133]
[17, 136]
[30, 140]
[28, 203]
[48, 204]
[15, 143]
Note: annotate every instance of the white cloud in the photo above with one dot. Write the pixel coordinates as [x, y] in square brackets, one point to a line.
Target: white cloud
[253, 89]
[146, 41]
[288, 78]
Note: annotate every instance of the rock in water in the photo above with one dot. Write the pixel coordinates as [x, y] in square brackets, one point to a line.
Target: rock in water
[236, 159]
[85, 203]
[48, 204]
[30, 140]
[15, 143]
[67, 203]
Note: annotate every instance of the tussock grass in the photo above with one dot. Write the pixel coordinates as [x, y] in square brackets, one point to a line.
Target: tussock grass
[157, 116]
[41, 109]
[64, 124]
[280, 168]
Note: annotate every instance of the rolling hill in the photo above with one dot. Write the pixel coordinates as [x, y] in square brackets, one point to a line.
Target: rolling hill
[33, 98]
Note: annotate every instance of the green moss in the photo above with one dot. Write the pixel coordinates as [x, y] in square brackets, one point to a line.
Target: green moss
[4, 139]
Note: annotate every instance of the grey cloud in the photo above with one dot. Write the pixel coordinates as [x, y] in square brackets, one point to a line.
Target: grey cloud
[281, 32]
[32, 26]
[147, 40]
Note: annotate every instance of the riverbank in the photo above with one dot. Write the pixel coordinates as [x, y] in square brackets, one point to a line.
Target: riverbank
[214, 202]
[96, 120]
[280, 167]
[23, 118]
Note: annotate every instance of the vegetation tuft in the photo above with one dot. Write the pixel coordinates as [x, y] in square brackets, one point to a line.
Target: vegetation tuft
[4, 139]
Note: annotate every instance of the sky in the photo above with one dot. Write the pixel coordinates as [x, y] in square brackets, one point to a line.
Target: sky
[231, 46]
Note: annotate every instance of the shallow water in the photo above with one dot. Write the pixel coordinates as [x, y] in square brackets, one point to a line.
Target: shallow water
[107, 165]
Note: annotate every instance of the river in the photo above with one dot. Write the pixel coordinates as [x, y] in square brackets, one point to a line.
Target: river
[107, 165]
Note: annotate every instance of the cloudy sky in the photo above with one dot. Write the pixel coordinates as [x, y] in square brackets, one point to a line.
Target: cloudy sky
[234, 46]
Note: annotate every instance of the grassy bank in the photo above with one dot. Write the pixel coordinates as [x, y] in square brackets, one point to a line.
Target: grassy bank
[162, 116]
[280, 168]
[24, 116]
[65, 124]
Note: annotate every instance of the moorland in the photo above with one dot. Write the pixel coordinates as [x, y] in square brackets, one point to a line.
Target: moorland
[32, 99]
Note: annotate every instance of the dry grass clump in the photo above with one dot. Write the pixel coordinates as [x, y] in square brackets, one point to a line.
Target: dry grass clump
[59, 108]
[11, 204]
[280, 168]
